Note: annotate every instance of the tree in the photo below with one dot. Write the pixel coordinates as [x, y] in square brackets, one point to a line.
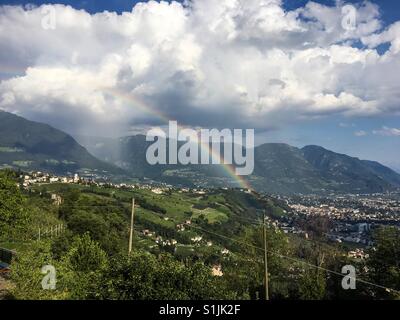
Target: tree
[251, 244]
[61, 244]
[141, 276]
[83, 265]
[69, 202]
[13, 217]
[384, 261]
[82, 222]
[78, 273]
[106, 233]
[27, 277]
[316, 226]
[86, 255]
[312, 285]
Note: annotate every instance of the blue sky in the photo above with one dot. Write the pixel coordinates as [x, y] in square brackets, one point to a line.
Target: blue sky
[368, 135]
[390, 8]
[89, 5]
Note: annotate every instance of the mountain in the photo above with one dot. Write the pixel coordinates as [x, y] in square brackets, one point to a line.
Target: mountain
[351, 174]
[31, 145]
[129, 153]
[384, 172]
[279, 168]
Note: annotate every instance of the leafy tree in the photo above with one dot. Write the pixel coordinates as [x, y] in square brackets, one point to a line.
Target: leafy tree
[312, 285]
[13, 217]
[27, 277]
[334, 288]
[77, 273]
[141, 276]
[384, 261]
[62, 244]
[70, 199]
[83, 265]
[316, 226]
[82, 222]
[86, 255]
[251, 244]
[107, 233]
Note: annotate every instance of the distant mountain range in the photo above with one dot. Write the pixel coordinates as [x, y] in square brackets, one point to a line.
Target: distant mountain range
[279, 168]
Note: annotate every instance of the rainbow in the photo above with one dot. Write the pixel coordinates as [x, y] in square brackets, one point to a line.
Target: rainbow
[229, 169]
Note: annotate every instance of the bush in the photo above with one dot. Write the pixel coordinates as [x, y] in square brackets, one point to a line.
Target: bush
[13, 217]
[141, 276]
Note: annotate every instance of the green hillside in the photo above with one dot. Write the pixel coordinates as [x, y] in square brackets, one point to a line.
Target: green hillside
[180, 239]
[31, 145]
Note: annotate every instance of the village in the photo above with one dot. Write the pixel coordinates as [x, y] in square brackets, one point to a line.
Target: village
[353, 218]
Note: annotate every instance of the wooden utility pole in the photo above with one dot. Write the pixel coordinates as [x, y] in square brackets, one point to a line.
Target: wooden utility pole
[265, 259]
[132, 221]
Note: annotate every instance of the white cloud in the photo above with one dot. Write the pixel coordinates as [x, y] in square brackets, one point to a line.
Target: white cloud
[360, 133]
[246, 63]
[387, 132]
[391, 35]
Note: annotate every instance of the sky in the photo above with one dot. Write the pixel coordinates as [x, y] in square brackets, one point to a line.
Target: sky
[298, 72]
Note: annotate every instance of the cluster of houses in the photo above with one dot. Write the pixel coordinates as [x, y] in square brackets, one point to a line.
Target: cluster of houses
[38, 177]
[374, 209]
[158, 239]
[216, 269]
[182, 226]
[32, 178]
[358, 254]
[41, 177]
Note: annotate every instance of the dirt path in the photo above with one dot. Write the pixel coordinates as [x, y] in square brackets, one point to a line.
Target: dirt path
[4, 287]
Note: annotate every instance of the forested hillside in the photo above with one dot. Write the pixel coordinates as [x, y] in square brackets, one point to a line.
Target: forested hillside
[187, 245]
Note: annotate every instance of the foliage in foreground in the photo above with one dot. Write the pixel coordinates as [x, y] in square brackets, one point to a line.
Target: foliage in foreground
[85, 272]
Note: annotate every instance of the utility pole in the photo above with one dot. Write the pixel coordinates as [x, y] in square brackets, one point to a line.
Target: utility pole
[265, 259]
[131, 231]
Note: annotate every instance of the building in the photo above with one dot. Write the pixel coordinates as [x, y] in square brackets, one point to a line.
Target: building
[217, 270]
[57, 200]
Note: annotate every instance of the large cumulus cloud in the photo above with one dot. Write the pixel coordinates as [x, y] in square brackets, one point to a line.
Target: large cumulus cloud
[220, 63]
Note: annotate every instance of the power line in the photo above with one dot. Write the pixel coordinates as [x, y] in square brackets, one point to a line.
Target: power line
[259, 248]
[259, 223]
[297, 260]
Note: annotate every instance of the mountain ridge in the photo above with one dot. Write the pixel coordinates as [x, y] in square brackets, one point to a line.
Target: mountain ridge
[278, 168]
[26, 144]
